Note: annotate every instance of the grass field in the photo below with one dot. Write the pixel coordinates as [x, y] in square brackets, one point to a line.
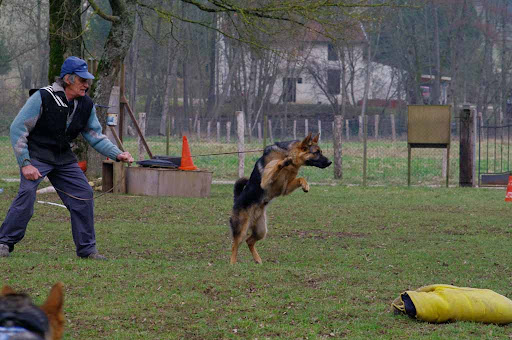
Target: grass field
[333, 261]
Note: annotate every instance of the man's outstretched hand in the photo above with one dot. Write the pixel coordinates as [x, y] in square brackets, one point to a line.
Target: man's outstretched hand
[125, 157]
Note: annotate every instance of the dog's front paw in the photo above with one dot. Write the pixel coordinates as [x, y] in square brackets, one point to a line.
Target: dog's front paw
[304, 184]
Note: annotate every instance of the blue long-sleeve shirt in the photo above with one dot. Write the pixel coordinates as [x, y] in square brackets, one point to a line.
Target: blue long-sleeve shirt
[27, 118]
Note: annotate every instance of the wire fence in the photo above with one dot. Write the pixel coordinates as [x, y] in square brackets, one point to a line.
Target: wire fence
[387, 155]
[223, 129]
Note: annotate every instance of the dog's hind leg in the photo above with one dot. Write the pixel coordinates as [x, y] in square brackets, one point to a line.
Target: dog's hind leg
[239, 226]
[259, 231]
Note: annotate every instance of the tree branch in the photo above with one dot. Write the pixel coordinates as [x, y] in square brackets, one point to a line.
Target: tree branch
[97, 10]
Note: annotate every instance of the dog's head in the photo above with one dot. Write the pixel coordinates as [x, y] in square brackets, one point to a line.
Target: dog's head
[312, 153]
[20, 319]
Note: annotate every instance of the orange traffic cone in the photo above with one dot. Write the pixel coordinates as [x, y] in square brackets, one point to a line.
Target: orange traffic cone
[508, 196]
[186, 158]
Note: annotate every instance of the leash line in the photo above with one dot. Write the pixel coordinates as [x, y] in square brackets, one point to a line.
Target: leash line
[225, 153]
[85, 199]
[88, 199]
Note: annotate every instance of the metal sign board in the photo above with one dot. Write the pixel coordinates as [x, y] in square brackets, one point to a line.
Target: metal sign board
[428, 124]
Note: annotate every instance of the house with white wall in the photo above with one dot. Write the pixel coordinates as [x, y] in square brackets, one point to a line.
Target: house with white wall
[311, 71]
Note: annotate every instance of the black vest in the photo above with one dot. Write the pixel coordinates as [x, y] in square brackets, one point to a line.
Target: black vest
[50, 141]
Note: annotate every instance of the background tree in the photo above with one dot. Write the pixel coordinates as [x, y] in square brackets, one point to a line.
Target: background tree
[5, 58]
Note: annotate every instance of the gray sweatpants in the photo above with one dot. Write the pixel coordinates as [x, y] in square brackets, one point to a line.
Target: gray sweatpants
[68, 178]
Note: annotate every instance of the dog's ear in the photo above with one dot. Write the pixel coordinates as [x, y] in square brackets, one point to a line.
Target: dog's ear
[53, 308]
[315, 139]
[307, 141]
[6, 290]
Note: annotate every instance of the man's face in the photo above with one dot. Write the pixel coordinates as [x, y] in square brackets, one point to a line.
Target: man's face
[76, 89]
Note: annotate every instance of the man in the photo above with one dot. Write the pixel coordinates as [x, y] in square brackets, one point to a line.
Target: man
[41, 135]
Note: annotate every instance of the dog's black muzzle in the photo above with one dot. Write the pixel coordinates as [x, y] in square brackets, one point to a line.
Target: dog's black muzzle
[322, 162]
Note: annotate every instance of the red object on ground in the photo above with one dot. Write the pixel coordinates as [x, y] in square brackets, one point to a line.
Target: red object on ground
[83, 165]
[186, 158]
[508, 196]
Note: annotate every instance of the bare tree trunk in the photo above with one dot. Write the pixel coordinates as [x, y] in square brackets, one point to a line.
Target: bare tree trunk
[65, 33]
[212, 67]
[171, 81]
[155, 54]
[116, 47]
[134, 58]
[41, 50]
[251, 92]
[504, 66]
[221, 98]
[437, 57]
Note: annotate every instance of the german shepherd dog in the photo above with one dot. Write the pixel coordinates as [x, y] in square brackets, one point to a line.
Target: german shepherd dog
[20, 319]
[275, 174]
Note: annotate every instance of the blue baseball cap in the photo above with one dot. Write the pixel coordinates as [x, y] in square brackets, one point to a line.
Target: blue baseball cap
[77, 66]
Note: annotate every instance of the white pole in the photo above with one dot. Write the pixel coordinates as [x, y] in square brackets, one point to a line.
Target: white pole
[241, 148]
[228, 132]
[319, 130]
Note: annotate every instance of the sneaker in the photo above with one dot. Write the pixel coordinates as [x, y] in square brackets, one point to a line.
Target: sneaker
[95, 256]
[4, 250]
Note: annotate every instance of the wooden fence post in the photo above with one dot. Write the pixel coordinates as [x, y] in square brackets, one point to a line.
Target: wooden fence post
[376, 132]
[142, 125]
[466, 150]
[228, 132]
[482, 134]
[241, 148]
[338, 128]
[260, 138]
[306, 127]
[347, 129]
[198, 130]
[218, 132]
[208, 128]
[361, 127]
[319, 130]
[294, 130]
[393, 128]
[270, 131]
[474, 144]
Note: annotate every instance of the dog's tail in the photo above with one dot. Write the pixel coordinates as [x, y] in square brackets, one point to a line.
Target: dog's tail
[239, 186]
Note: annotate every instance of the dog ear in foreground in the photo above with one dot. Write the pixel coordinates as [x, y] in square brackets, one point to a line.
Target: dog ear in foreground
[20, 319]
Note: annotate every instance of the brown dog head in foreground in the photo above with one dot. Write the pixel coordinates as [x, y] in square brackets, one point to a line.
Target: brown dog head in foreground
[274, 174]
[20, 319]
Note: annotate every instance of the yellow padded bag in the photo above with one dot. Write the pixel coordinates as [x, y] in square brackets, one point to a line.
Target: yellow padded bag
[442, 303]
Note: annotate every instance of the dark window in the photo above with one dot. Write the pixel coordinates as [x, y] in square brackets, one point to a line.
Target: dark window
[332, 54]
[290, 90]
[333, 81]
